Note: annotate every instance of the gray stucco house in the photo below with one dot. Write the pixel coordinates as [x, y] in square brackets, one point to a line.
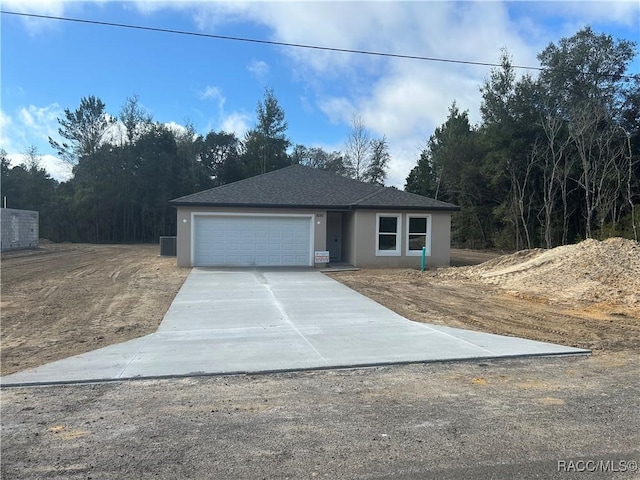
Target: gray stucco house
[288, 217]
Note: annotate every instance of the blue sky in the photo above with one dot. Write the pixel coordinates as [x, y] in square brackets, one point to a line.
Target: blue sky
[49, 65]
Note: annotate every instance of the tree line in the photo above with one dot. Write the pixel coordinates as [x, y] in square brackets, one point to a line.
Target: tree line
[126, 168]
[554, 159]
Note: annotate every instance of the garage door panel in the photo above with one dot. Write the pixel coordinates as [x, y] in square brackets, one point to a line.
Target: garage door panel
[251, 241]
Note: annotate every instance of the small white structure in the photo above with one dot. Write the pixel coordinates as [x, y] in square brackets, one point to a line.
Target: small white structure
[19, 228]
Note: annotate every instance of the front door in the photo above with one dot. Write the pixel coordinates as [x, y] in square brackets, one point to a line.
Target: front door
[334, 236]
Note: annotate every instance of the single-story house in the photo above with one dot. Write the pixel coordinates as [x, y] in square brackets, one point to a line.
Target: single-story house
[293, 216]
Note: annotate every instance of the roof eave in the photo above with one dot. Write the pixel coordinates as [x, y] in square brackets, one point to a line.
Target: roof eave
[452, 208]
[256, 205]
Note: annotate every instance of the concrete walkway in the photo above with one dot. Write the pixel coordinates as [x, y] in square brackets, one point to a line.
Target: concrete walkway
[249, 321]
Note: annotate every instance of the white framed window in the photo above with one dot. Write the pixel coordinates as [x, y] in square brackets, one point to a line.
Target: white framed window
[388, 234]
[418, 234]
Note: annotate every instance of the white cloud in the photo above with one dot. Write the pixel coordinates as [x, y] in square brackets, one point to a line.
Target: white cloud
[147, 7]
[403, 99]
[33, 25]
[55, 167]
[338, 109]
[236, 122]
[6, 124]
[212, 93]
[259, 69]
[176, 128]
[41, 122]
[116, 133]
[215, 94]
[404, 155]
[31, 126]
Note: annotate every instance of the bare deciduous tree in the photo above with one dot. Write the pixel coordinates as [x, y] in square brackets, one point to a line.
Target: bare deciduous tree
[358, 149]
[630, 163]
[583, 129]
[553, 163]
[521, 196]
[31, 157]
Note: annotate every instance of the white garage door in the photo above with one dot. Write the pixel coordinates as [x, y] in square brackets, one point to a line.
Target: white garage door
[242, 241]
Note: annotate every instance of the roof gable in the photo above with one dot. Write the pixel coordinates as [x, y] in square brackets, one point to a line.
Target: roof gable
[300, 186]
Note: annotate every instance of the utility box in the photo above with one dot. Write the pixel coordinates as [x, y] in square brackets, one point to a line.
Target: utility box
[20, 229]
[168, 246]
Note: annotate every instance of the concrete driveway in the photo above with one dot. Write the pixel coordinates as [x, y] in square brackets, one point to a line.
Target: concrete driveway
[226, 321]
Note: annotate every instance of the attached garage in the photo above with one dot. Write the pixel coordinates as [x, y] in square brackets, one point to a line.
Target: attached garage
[246, 240]
[298, 215]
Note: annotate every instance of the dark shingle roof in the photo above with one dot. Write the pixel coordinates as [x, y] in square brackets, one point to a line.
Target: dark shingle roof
[300, 186]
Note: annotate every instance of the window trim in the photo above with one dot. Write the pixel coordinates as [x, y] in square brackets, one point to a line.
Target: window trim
[389, 253]
[427, 242]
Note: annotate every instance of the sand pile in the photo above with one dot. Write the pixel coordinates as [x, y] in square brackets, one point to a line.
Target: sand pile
[592, 271]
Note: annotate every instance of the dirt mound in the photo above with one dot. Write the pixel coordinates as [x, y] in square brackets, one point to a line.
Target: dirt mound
[593, 271]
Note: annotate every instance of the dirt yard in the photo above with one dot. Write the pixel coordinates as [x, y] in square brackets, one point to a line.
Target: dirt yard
[67, 299]
[585, 295]
[512, 418]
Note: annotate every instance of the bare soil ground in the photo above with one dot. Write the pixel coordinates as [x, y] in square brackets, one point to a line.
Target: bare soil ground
[65, 299]
[585, 295]
[513, 418]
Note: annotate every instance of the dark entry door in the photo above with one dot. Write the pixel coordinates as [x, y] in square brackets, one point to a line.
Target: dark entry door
[334, 236]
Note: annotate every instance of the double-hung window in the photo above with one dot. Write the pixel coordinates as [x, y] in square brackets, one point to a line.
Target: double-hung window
[418, 234]
[388, 232]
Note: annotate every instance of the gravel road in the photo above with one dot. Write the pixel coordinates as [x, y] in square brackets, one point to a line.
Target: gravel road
[502, 419]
